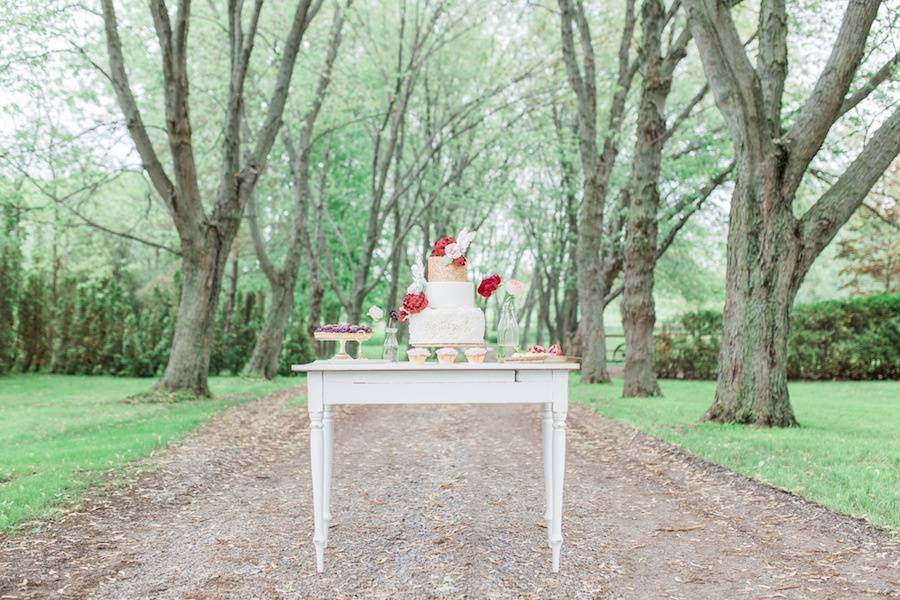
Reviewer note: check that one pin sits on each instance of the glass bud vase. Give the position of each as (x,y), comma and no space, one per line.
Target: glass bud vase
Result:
(391,346)
(507,330)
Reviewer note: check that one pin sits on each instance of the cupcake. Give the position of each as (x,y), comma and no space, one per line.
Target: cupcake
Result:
(475,355)
(446,356)
(417,355)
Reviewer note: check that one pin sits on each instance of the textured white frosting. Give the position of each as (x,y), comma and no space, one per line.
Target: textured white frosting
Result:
(450,294)
(436,326)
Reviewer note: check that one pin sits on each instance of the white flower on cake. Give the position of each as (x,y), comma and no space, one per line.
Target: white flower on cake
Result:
(514,287)
(453,250)
(419,281)
(375,313)
(463,240)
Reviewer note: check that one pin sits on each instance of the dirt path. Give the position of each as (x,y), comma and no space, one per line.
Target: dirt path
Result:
(422,510)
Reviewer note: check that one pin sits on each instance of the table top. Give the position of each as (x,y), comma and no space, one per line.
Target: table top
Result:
(381,365)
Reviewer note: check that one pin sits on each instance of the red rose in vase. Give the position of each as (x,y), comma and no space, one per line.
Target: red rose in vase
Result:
(413,303)
(489,285)
(440,245)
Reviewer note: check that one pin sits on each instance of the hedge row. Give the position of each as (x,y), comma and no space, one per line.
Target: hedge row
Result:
(102,326)
(858,338)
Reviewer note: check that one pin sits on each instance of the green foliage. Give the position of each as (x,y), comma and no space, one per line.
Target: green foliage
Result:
(95,326)
(33,324)
(10,288)
(844,454)
(297,347)
(689,347)
(235,333)
(148,337)
(857,338)
(871,247)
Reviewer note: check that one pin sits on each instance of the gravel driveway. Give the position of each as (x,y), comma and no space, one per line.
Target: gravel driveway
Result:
(440,502)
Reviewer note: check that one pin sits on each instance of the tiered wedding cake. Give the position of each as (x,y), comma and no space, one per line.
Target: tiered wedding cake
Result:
(450,317)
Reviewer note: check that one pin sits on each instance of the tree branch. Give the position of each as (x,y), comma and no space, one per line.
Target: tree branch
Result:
(772,60)
(265,263)
(877,78)
(91,188)
(823,106)
(127,103)
(823,220)
(685,113)
(732,78)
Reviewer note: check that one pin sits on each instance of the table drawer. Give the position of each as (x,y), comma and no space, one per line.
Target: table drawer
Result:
(435,392)
(417,377)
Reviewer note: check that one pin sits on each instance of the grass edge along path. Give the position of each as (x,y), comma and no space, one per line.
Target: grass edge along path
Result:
(845,455)
(60,434)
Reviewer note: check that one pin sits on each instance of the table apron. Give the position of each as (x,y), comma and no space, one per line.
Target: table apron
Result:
(437,392)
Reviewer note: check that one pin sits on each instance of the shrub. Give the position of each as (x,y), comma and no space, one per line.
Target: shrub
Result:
(10,287)
(857,338)
(297,347)
(689,347)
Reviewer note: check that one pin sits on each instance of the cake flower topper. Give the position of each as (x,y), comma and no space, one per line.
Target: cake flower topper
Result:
(454,250)
(418,274)
(414,301)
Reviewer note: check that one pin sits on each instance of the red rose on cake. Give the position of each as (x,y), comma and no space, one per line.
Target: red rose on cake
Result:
(453,250)
(489,285)
(441,244)
(413,303)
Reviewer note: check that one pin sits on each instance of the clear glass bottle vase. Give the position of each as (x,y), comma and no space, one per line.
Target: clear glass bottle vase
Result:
(391,346)
(507,330)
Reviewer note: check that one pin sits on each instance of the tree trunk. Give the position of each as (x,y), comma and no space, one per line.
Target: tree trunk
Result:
(592,335)
(638,309)
(203,265)
(393,299)
(231,298)
(543,310)
(761,280)
(266,352)
(570,321)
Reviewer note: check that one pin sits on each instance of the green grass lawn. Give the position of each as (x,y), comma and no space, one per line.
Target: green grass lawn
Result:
(59,434)
(845,455)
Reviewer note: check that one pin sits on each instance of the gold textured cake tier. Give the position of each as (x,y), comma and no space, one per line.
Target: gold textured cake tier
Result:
(438,271)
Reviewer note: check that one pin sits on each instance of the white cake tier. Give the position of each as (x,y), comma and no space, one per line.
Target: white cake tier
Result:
(437,326)
(450,294)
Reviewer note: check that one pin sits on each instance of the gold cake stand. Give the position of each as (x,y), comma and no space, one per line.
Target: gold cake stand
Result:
(342,339)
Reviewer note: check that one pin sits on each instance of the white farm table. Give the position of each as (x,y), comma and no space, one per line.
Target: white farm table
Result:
(332,382)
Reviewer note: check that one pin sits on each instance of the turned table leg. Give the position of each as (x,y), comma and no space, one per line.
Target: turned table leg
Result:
(559,470)
(328,442)
(317,410)
(547,435)
(317,466)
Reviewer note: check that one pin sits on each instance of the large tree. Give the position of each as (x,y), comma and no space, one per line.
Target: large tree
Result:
(597,257)
(620,233)
(646,212)
(282,280)
(205,234)
(770,250)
